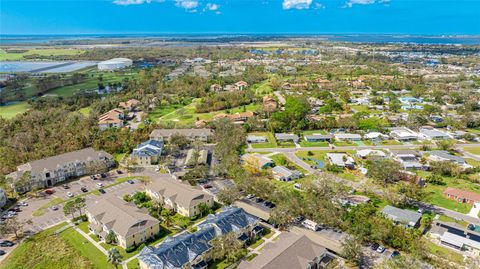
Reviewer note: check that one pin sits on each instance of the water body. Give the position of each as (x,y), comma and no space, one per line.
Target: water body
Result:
(416,39)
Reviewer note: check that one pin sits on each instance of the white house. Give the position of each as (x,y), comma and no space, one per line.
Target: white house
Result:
(284,174)
(340,159)
(347,137)
(364,153)
(403,134)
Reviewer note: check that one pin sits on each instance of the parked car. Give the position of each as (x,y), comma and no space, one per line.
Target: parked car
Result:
(380,249)
(66,187)
(69,194)
(6,243)
(119,172)
(93,177)
(374,246)
(206,186)
(83,189)
(2,252)
(130,181)
(259,200)
(102,191)
(23,204)
(54,208)
(50,191)
(394,254)
(100,184)
(103,175)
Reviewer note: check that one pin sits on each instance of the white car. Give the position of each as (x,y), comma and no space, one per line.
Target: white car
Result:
(380,249)
(100,184)
(69,194)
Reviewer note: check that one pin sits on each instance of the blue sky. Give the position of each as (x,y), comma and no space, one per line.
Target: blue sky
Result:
(240,16)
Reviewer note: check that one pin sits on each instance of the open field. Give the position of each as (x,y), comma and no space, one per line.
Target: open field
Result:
(12,110)
(187,116)
(46,250)
(436,197)
(473,150)
(445,253)
(15,56)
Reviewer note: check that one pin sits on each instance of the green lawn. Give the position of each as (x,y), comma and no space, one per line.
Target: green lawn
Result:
(45,250)
(472,162)
(84,227)
(12,110)
(187,115)
(281,159)
(304,143)
(119,156)
(390,142)
(87,249)
(133,264)
(257,243)
(343,143)
(445,253)
(162,110)
(436,197)
(271,140)
(85,111)
(473,150)
(450,219)
(91,83)
(285,144)
(4,56)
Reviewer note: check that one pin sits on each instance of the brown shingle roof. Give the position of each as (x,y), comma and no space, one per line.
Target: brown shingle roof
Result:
(290,251)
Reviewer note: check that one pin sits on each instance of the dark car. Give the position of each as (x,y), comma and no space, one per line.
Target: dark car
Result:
(374,246)
(394,254)
(66,187)
(119,172)
(259,200)
(2,252)
(93,177)
(103,175)
(50,191)
(102,191)
(130,181)
(6,243)
(84,189)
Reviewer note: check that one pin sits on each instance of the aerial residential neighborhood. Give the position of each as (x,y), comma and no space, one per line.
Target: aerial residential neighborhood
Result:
(292,134)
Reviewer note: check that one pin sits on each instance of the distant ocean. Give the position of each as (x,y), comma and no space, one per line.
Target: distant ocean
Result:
(357,38)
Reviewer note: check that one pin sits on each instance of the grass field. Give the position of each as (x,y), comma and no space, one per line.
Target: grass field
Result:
(445,253)
(12,110)
(304,143)
(133,264)
(187,115)
(91,83)
(390,142)
(4,56)
(281,159)
(87,249)
(473,150)
(45,250)
(436,197)
(85,111)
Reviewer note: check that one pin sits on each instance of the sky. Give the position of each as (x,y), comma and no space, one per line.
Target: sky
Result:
(433,17)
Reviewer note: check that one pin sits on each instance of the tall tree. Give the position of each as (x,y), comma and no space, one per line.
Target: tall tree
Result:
(114,257)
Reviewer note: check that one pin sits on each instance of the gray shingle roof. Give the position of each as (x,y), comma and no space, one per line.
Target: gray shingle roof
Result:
(401,215)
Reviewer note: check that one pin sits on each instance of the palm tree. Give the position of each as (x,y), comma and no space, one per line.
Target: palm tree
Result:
(114,257)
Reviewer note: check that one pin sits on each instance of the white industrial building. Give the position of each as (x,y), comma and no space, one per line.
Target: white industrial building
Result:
(113,64)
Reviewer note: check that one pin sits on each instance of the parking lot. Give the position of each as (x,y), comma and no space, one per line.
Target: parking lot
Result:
(53,215)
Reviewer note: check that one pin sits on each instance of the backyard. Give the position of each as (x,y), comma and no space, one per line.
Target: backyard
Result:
(46,250)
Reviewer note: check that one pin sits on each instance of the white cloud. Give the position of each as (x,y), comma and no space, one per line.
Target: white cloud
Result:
(350,3)
(212,7)
(296,4)
(134,2)
(187,4)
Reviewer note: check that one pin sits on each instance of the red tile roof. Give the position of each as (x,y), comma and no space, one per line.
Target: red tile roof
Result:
(462,194)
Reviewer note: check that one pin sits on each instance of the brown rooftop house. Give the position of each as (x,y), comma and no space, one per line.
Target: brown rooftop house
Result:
(131,225)
(216,88)
(182,198)
(290,251)
(462,196)
(241,85)
(111,119)
(130,105)
(47,172)
(269,104)
(203,135)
